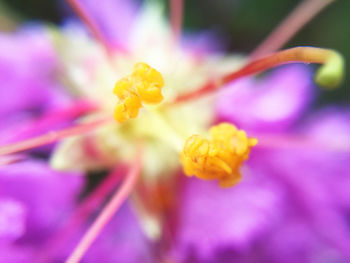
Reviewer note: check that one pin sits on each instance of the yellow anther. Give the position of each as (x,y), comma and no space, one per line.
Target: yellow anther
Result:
(124,88)
(219,158)
(142,86)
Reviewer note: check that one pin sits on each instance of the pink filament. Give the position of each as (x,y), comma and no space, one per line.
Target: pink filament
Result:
(84,15)
(292,55)
(300,16)
(83,212)
(5,160)
(51,137)
(60,116)
(176,17)
(108,211)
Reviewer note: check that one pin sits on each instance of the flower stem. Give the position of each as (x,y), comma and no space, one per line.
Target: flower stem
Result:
(299,17)
(108,211)
(51,137)
(330,74)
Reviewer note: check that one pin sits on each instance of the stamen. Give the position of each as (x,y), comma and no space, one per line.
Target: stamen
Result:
(144,85)
(85,16)
(51,137)
(60,116)
(219,158)
(108,211)
(329,75)
(176,17)
(300,16)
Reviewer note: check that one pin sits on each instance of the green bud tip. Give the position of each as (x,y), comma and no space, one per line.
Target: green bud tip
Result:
(331,74)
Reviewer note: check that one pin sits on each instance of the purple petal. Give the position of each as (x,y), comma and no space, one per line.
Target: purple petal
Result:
(296,242)
(309,198)
(115,17)
(27,73)
(213,218)
(16,254)
(331,126)
(122,240)
(47,195)
(270,104)
(12,219)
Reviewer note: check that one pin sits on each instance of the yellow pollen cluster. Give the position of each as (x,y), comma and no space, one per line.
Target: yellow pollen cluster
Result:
(142,86)
(219,158)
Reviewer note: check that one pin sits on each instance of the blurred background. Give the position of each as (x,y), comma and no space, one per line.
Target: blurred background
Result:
(242,24)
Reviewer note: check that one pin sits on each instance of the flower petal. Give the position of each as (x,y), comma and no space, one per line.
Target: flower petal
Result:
(213,218)
(122,240)
(12,219)
(115,17)
(270,104)
(46,195)
(27,73)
